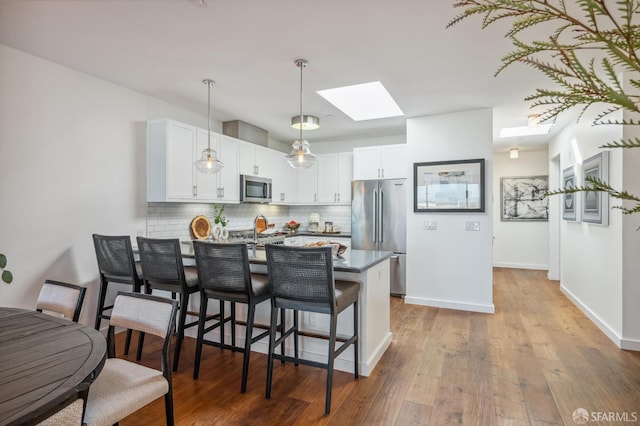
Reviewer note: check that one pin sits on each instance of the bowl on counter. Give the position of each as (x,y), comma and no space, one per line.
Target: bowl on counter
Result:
(292,227)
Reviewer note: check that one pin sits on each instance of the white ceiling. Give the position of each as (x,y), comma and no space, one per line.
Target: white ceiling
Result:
(165,48)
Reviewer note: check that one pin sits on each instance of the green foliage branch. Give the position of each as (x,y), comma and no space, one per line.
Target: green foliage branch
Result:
(591,43)
(7,276)
(218,218)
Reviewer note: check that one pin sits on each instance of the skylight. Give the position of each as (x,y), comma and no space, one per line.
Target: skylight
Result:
(367,101)
(514,132)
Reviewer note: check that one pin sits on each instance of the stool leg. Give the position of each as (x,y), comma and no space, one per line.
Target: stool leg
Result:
(222,323)
(204,300)
(247,345)
(233,326)
(356,344)
(184,299)
(283,327)
(101,297)
(272,343)
(332,348)
(295,336)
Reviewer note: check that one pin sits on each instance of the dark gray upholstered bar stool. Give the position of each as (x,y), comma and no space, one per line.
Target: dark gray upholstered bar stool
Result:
(116,265)
(162,269)
(224,274)
(62,298)
(301,279)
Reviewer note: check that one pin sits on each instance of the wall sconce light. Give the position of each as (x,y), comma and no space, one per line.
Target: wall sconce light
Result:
(513,153)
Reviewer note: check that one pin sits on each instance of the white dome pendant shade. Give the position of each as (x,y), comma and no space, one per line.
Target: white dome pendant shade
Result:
(208,162)
(300,156)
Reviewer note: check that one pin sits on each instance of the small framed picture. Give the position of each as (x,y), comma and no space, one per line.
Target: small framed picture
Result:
(523,199)
(570,201)
(595,204)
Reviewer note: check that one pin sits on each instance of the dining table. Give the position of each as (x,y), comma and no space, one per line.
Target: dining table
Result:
(46,362)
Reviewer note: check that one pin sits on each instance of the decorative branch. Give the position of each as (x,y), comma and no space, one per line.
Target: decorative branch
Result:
(591,45)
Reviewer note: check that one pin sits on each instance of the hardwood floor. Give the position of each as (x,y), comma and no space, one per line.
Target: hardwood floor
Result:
(533,362)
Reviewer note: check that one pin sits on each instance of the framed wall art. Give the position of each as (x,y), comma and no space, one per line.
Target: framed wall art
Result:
(595,204)
(523,199)
(449,186)
(570,207)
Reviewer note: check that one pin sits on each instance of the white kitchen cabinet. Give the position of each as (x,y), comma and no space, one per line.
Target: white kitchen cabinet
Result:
(170,155)
(380,162)
(254,159)
(224,185)
(335,172)
(284,179)
(308,185)
(172,150)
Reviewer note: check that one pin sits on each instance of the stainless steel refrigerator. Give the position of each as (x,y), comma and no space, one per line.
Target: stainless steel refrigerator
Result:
(378,222)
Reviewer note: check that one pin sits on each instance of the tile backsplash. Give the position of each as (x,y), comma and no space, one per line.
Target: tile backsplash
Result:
(172,220)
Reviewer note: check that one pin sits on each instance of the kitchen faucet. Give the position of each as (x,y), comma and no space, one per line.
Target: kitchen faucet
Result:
(255,227)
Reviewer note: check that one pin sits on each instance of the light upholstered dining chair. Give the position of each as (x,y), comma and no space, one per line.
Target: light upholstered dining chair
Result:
(62,298)
(301,279)
(123,387)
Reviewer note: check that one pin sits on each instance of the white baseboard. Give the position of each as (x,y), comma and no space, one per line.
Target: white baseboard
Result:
(520,266)
(622,343)
(448,304)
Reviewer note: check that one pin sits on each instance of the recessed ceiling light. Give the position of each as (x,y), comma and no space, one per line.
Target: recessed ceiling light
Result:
(514,132)
(367,101)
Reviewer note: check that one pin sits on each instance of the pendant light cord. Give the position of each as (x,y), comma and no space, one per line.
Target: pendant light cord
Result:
(301,117)
(209,116)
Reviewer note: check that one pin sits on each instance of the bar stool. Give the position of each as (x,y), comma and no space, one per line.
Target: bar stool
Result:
(224,274)
(162,269)
(116,264)
(301,279)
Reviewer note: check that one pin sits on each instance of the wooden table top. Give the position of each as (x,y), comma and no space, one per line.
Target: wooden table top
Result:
(44,360)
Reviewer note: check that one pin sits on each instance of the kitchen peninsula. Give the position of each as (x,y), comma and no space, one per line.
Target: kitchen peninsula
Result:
(372,270)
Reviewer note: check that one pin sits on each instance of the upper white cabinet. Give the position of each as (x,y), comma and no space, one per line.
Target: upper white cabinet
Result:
(224,185)
(254,159)
(380,162)
(284,179)
(172,149)
(170,152)
(308,185)
(335,173)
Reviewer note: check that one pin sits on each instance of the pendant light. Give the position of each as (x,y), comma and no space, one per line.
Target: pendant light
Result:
(300,156)
(208,162)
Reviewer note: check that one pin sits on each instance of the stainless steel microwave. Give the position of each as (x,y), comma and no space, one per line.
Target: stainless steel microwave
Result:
(255,189)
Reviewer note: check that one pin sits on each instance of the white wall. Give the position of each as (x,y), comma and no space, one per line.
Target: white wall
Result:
(451,267)
(72,162)
(523,245)
(591,255)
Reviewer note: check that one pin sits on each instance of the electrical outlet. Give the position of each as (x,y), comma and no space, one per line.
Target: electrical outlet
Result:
(430,225)
(473,225)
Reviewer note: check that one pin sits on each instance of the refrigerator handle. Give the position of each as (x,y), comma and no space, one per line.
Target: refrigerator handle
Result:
(381,216)
(375,215)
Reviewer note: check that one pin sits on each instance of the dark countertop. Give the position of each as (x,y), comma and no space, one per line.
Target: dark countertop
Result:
(354,261)
(319,234)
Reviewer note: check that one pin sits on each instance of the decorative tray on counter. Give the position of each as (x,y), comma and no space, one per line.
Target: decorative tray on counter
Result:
(200,227)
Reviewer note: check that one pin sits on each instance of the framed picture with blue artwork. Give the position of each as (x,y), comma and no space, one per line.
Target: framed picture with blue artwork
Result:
(523,198)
